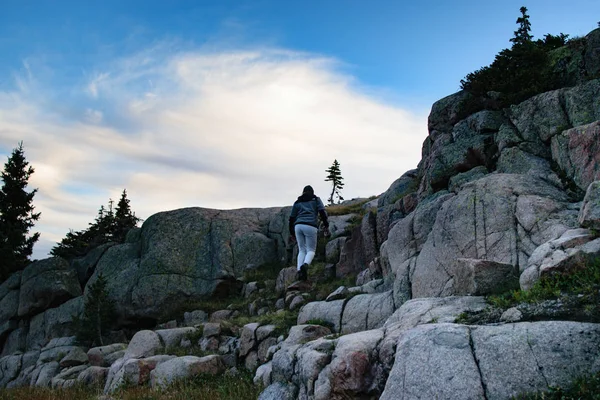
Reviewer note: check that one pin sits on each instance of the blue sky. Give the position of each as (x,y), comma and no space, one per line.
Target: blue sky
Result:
(229,104)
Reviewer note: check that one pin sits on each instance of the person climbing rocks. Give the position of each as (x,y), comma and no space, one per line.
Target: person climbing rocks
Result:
(304,226)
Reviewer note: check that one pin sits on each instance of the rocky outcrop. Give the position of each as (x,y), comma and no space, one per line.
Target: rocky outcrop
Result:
(46,284)
(492,362)
(189,254)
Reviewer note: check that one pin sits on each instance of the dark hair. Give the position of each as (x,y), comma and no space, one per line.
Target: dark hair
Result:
(308,190)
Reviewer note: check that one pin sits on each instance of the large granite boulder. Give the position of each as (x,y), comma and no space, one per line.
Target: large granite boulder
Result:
(493,362)
(53,323)
(187,254)
(577,153)
(500,218)
(46,284)
(589,215)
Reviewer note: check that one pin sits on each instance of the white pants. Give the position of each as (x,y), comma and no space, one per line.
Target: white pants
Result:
(306,236)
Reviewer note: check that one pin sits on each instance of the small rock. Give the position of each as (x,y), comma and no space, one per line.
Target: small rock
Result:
(211,329)
(280,304)
(194,318)
(221,315)
(339,293)
(297,302)
(511,315)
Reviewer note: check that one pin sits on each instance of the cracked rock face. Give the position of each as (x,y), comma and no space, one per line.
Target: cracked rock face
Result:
(492,362)
(500,218)
(186,254)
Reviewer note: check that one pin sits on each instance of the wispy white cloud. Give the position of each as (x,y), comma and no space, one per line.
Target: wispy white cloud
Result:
(225,129)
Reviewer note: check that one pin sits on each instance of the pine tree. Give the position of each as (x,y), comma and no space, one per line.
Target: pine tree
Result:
(16,214)
(522,35)
(125,219)
(110,225)
(98,314)
(334,176)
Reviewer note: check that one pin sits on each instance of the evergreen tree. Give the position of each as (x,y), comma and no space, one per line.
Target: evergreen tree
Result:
(522,35)
(16,214)
(110,225)
(334,176)
(98,315)
(125,219)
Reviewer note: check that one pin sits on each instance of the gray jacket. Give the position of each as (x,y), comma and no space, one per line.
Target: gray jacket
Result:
(306,211)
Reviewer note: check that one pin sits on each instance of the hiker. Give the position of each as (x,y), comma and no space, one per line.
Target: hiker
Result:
(304,225)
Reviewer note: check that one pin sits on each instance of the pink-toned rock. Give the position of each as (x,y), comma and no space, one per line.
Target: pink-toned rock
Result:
(577,152)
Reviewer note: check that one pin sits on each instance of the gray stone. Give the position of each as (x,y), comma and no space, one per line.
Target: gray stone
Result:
(263,348)
(297,302)
(367,311)
(57,353)
(404,243)
(9,305)
(280,304)
(265,331)
(338,294)
(251,361)
(589,216)
(286,277)
(186,254)
(46,284)
(528,357)
(133,372)
(333,249)
(458,180)
(86,265)
(248,338)
(172,337)
(250,288)
(93,376)
(520,212)
(99,356)
(211,329)
(327,311)
(184,368)
(300,334)
(493,362)
(434,361)
(511,315)
(263,375)
(9,368)
(143,344)
(338,224)
(353,371)
(67,377)
(16,340)
(194,317)
(46,373)
(278,391)
(577,153)
(571,251)
(483,277)
(74,358)
(220,316)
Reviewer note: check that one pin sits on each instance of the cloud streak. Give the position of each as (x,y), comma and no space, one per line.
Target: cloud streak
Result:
(227,129)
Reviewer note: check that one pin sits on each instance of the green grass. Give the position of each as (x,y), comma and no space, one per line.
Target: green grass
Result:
(584,281)
(341,209)
(283,320)
(221,387)
(587,387)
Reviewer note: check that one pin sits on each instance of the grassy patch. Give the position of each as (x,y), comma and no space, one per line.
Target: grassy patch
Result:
(283,320)
(585,282)
(221,387)
(321,322)
(263,273)
(587,387)
(341,209)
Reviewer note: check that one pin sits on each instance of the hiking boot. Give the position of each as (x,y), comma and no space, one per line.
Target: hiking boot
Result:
(303,273)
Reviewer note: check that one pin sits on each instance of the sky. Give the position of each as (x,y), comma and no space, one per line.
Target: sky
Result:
(230,104)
